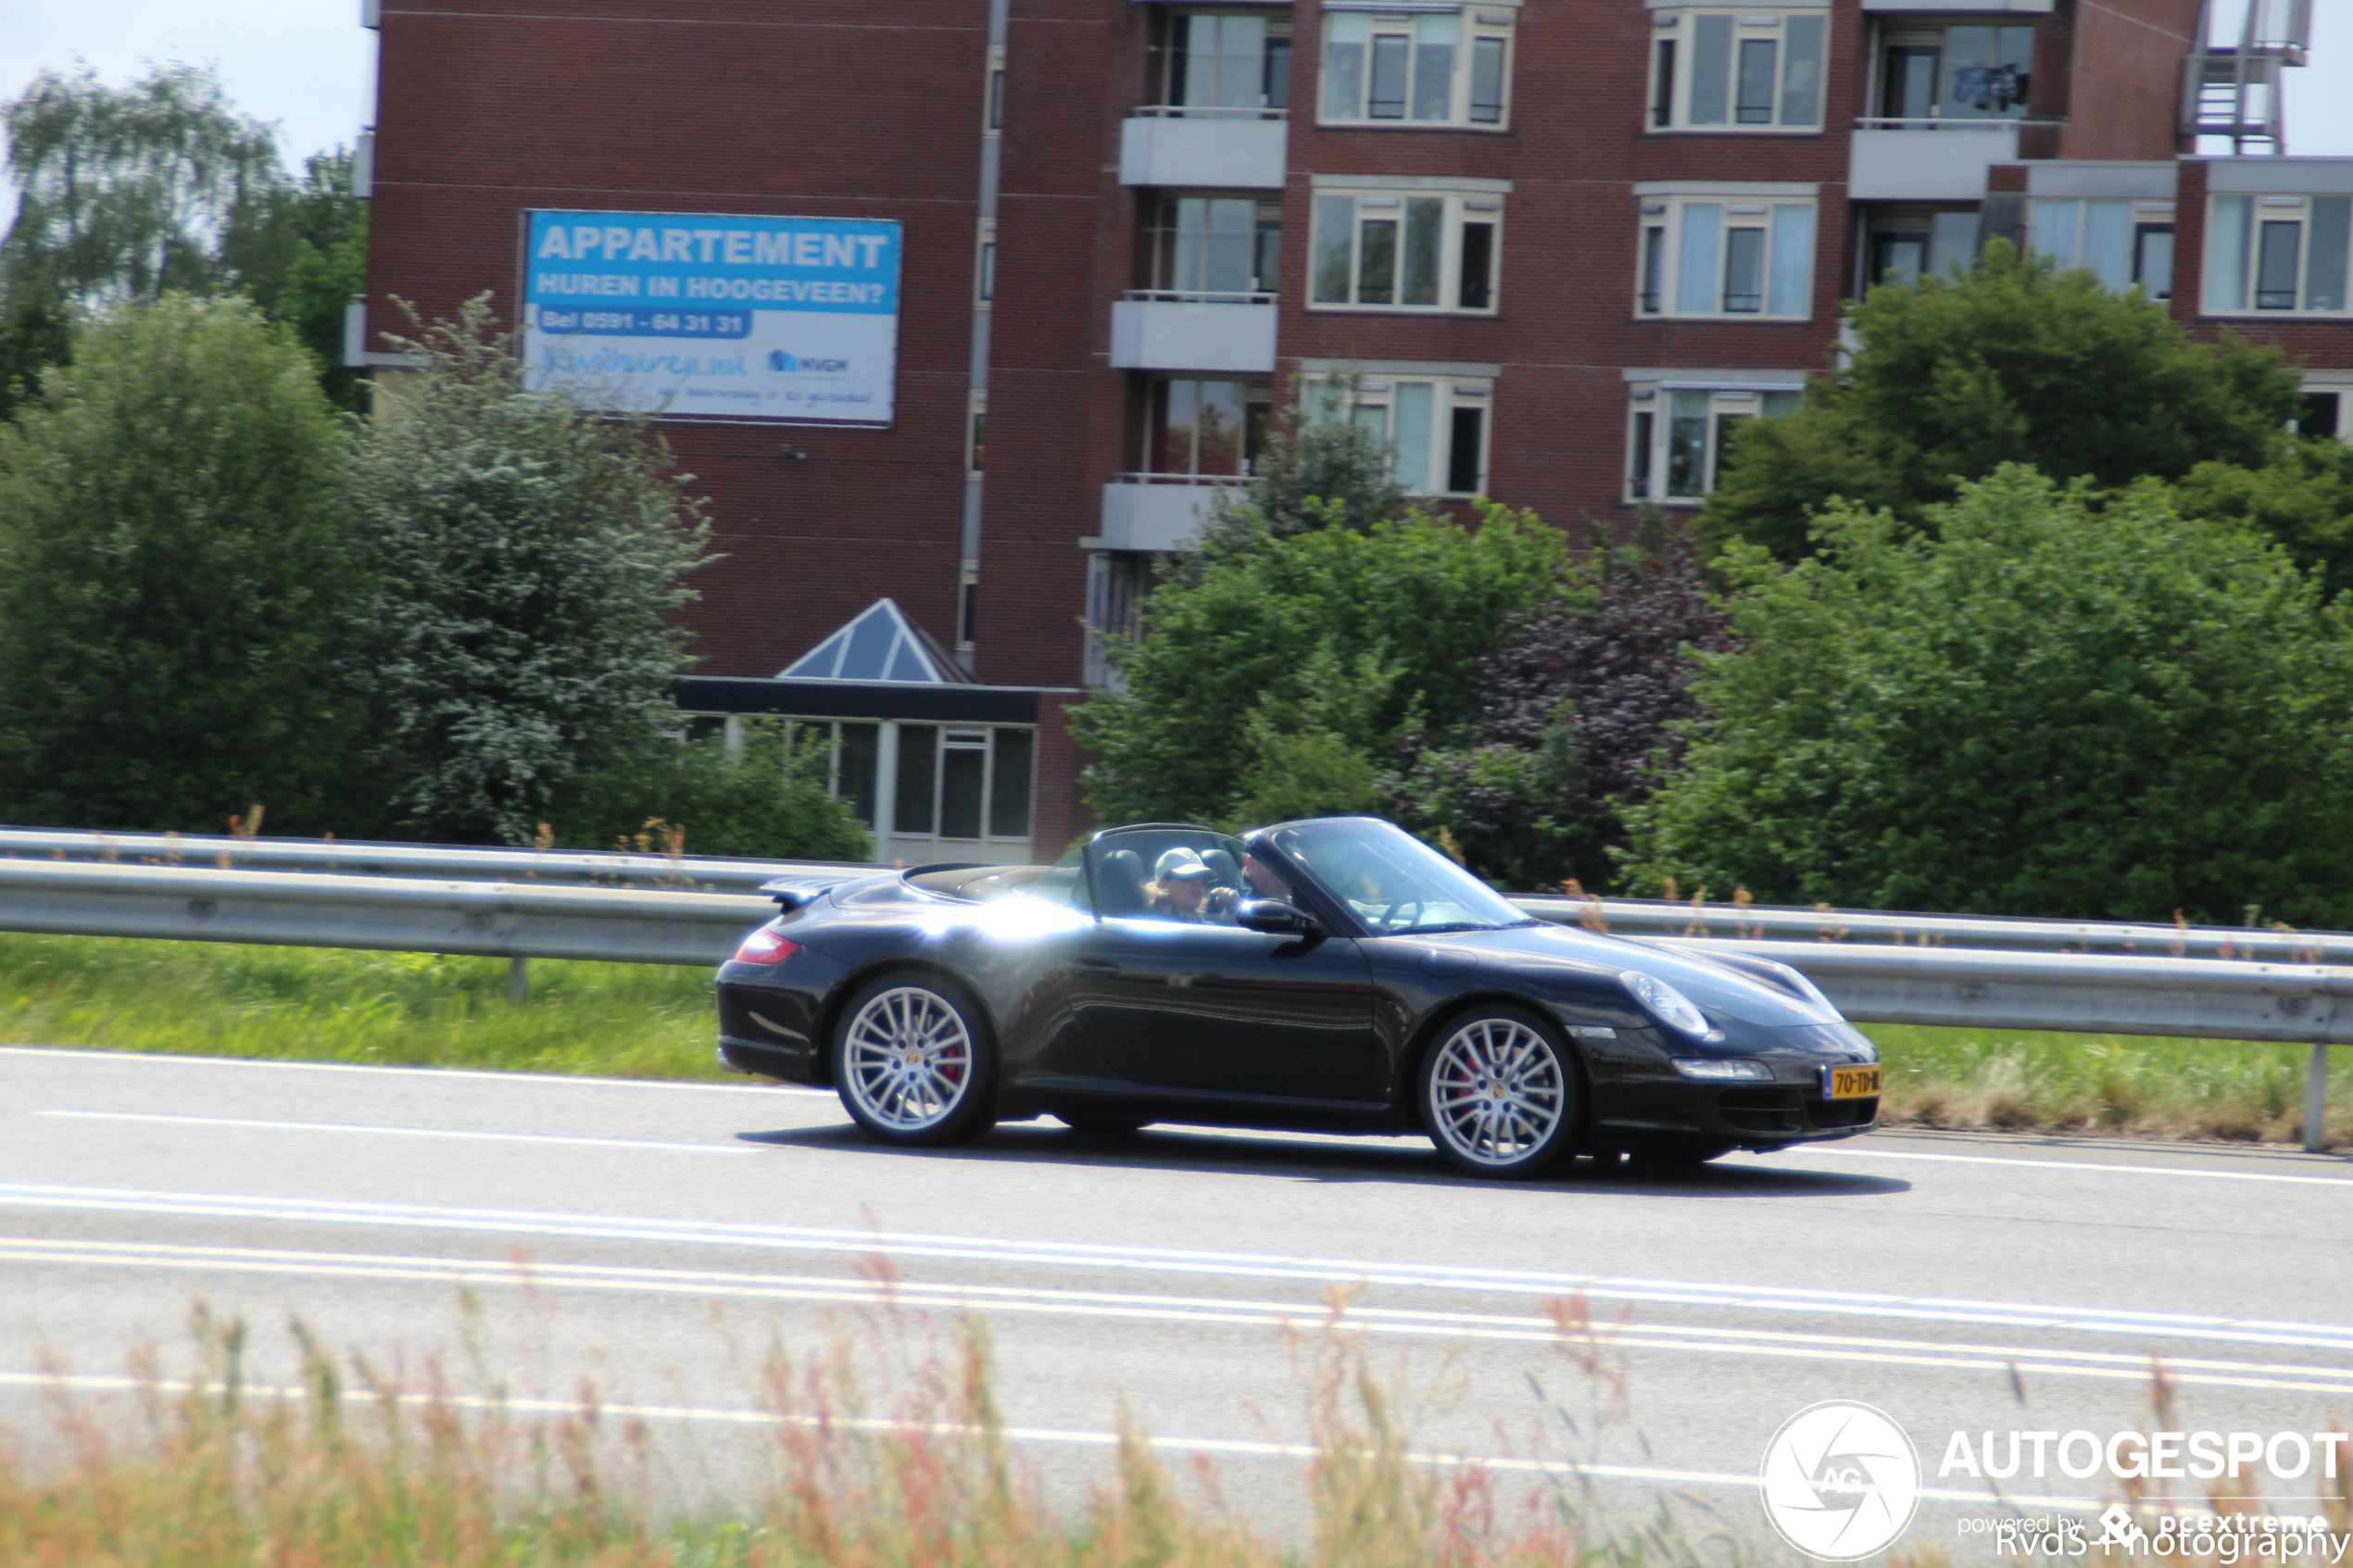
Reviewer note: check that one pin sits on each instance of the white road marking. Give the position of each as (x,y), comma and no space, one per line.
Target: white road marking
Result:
(70,1053)
(1249,1265)
(395,1132)
(1233,1446)
(704,1284)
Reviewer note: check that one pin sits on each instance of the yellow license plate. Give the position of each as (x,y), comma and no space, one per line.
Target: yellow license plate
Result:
(1850,1083)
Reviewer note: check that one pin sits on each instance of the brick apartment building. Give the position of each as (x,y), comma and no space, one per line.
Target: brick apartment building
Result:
(1562,243)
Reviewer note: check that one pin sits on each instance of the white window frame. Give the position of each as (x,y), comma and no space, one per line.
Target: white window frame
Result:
(1682,27)
(1666,244)
(827,732)
(1472,25)
(1650,435)
(2231,282)
(1458,210)
(2071,229)
(1380,397)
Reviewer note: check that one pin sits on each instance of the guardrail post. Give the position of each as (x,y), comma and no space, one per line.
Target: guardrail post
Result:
(518,979)
(2316,1103)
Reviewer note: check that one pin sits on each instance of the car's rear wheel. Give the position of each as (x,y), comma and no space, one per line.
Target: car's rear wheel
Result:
(1501,1094)
(913,1063)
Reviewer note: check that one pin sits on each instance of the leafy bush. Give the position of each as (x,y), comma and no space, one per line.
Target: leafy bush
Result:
(1277,674)
(2015,362)
(524,557)
(2049,708)
(1575,722)
(766,801)
(174,573)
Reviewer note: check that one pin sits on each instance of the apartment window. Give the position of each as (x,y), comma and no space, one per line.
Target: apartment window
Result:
(1215,245)
(1725,256)
(1206,428)
(1444,67)
(1725,70)
(993,111)
(1219,62)
(1406,251)
(1436,428)
(1903,244)
(2277,254)
(984,265)
(977,438)
(1677,436)
(2123,244)
(1959,72)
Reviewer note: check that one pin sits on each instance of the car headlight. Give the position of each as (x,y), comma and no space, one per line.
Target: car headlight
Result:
(1667,1004)
(1722,1069)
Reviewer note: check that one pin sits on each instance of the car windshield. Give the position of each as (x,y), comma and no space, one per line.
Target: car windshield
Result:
(1392,881)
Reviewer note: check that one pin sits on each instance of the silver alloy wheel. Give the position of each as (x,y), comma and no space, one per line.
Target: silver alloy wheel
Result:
(1496,1092)
(907,1059)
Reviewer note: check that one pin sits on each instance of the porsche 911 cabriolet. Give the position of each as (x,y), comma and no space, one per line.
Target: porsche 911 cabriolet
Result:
(1333,974)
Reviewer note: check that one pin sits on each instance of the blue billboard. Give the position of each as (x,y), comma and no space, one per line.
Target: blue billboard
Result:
(713,316)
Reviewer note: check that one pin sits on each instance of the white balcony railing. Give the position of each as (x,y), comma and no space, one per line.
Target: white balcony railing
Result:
(1183,330)
(1928,160)
(1203,149)
(1159,511)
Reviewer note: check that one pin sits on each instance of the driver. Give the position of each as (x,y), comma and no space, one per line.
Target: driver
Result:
(1180,890)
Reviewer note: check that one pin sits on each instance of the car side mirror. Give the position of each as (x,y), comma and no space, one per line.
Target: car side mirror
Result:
(1276,918)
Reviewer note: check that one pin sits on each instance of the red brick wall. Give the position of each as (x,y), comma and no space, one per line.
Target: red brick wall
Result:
(2125,81)
(487,107)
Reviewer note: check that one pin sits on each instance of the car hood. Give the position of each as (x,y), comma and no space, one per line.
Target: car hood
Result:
(1718,989)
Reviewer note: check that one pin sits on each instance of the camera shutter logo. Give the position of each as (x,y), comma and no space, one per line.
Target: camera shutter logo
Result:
(1839,1481)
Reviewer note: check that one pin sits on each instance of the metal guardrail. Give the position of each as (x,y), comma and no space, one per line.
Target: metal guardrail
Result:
(1643,917)
(2214,998)
(707,874)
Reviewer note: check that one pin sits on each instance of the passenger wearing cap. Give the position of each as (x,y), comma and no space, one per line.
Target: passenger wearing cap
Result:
(1180,889)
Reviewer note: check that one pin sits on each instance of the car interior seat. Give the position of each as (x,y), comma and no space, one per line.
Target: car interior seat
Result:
(1223,872)
(1119,882)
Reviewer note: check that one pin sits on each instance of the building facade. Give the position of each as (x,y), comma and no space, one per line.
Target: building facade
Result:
(1557,246)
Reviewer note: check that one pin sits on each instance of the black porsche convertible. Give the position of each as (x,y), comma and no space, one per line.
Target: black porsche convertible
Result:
(1331,974)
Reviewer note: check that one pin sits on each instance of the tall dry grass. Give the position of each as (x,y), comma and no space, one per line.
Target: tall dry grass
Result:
(868,1461)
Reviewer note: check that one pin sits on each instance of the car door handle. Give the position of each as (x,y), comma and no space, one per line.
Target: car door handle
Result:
(1095,966)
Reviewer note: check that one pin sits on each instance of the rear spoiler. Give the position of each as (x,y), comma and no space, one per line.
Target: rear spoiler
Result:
(793,893)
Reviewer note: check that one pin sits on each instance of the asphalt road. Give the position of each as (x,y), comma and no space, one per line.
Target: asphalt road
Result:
(656,1235)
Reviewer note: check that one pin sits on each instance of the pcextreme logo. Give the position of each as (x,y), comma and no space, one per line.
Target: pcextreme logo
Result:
(1839,1481)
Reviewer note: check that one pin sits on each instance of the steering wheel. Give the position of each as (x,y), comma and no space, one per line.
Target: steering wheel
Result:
(1389,922)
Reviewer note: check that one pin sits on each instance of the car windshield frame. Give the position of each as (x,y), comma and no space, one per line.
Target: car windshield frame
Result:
(1326,850)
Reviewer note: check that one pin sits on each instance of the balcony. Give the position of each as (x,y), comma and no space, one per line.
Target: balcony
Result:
(1927,160)
(1204,148)
(1206,334)
(1157,512)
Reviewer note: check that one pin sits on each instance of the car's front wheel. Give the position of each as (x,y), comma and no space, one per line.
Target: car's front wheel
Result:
(913,1063)
(1501,1095)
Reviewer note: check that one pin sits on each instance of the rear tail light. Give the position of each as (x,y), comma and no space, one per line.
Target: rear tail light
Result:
(765,946)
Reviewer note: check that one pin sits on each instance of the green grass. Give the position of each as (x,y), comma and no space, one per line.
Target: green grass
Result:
(654,1021)
(327,1004)
(2241,1091)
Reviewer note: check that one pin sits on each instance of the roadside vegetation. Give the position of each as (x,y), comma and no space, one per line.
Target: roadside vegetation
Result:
(875,1454)
(655,1020)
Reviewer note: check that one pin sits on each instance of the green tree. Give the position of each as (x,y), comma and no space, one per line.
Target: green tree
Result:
(303,254)
(766,799)
(525,556)
(2303,498)
(127,191)
(1321,468)
(36,330)
(1287,659)
(2041,708)
(2015,362)
(172,576)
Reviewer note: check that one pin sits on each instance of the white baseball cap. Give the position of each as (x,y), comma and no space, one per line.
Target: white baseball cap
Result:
(1178,863)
